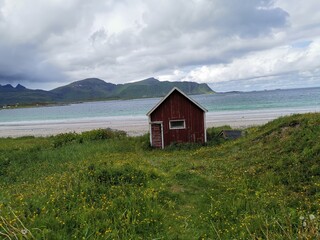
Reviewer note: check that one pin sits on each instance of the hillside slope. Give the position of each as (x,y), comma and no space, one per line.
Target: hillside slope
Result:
(10,95)
(152,87)
(87,89)
(104,185)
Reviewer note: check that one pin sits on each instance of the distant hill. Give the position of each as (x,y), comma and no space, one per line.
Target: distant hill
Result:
(152,87)
(84,90)
(21,95)
(91,89)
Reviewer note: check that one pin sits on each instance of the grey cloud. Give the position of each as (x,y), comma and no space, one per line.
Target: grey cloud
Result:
(189,33)
(248,18)
(172,31)
(27,30)
(251,19)
(73,39)
(24,63)
(99,37)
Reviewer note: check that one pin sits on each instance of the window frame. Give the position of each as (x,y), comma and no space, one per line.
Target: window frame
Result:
(177,127)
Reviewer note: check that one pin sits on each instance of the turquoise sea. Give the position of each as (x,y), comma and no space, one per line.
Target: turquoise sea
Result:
(307,98)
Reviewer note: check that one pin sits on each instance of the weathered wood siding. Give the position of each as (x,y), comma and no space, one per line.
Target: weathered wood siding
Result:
(178,107)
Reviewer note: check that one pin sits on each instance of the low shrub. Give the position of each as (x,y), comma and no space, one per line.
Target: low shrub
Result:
(100,134)
(97,134)
(66,138)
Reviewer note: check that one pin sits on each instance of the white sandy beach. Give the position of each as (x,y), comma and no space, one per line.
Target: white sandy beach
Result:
(138,125)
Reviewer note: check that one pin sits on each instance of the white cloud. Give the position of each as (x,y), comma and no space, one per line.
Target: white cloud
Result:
(261,64)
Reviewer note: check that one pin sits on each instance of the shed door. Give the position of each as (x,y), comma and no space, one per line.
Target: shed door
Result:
(156,129)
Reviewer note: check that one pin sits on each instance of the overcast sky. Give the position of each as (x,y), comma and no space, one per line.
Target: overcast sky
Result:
(229,44)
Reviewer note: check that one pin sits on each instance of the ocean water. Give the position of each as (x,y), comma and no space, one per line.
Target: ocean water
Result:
(308,98)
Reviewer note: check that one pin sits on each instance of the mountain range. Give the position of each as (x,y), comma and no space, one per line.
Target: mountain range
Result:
(94,89)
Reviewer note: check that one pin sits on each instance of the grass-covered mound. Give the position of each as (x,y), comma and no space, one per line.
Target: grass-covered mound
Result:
(105,185)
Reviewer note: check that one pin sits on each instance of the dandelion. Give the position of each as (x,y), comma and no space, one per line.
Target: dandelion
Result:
(24,231)
(304,224)
(301,218)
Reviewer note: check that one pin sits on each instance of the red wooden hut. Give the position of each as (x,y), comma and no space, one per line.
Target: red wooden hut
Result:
(177,119)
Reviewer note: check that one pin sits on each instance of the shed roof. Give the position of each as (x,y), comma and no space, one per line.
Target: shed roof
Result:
(185,95)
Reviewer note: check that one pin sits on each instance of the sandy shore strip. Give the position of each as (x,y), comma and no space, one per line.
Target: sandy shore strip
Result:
(138,125)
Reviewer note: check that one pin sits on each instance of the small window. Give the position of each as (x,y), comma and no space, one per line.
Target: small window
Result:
(177,124)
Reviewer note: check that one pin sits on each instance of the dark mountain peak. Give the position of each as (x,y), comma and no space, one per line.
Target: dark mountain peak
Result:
(91,80)
(88,81)
(20,87)
(148,81)
(7,86)
(86,89)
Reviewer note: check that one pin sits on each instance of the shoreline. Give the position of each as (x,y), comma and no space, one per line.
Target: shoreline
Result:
(138,125)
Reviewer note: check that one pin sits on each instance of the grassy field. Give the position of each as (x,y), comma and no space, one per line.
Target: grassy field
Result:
(105,185)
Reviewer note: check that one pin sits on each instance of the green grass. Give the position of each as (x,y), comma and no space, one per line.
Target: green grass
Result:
(105,185)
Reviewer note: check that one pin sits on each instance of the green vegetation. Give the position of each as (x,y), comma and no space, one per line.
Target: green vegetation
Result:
(105,185)
(94,89)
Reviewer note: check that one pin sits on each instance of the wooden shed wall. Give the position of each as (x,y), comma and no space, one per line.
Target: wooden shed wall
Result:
(178,107)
